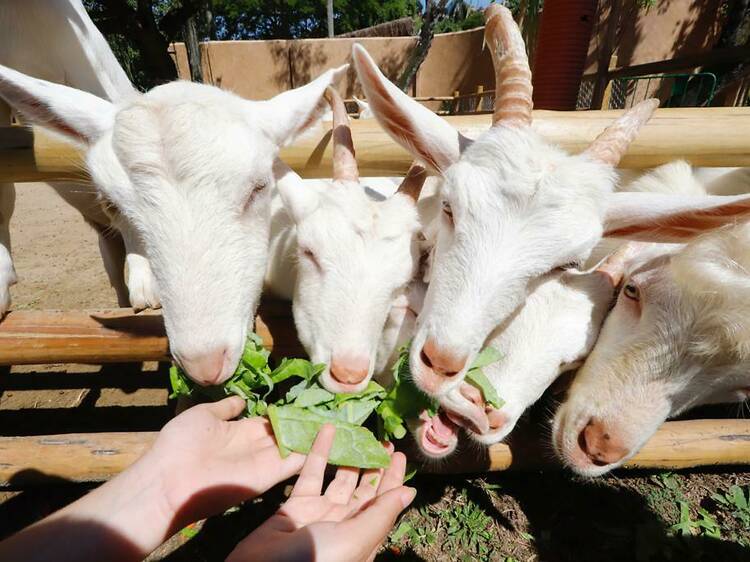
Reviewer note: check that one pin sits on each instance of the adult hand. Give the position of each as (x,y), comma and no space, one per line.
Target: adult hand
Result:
(347,522)
(208,463)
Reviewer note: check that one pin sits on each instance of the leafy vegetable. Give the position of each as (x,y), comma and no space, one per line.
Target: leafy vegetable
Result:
(295,429)
(299,411)
(476,377)
(404,400)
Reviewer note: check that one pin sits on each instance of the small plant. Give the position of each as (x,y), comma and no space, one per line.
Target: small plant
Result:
(469,527)
(706,525)
(738,501)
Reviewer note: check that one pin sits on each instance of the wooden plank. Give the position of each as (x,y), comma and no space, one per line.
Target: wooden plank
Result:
(97,457)
(75,457)
(729,55)
(716,136)
(34,337)
(676,445)
(30,337)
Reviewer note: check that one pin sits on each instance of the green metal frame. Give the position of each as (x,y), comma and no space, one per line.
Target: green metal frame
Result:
(701,86)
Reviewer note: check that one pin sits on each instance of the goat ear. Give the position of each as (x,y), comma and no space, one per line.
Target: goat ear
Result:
(656,217)
(299,200)
(429,138)
(288,114)
(77,115)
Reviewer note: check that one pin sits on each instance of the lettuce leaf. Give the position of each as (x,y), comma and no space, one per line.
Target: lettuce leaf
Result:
(295,430)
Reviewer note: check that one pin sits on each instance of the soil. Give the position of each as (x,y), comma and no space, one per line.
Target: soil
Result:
(550,516)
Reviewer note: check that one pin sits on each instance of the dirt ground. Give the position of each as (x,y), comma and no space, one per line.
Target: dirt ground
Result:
(552,516)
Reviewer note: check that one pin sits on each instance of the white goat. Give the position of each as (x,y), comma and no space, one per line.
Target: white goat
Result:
(555,329)
(515,206)
(187,165)
(678,336)
(71,50)
(347,261)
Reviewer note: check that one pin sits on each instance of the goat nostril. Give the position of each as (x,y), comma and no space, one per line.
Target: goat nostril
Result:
(425,358)
(349,370)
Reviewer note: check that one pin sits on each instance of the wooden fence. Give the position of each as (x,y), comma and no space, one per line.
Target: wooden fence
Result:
(706,137)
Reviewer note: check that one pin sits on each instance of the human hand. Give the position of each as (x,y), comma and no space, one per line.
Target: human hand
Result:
(208,463)
(348,522)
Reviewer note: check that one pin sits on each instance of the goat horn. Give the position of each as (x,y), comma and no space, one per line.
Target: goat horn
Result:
(513,101)
(344,161)
(612,144)
(413,182)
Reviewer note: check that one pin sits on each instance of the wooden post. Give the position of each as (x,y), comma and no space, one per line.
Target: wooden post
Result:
(608,88)
(456,101)
(712,136)
(478,105)
(94,457)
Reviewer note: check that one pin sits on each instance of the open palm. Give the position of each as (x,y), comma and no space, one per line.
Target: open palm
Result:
(347,522)
(210,462)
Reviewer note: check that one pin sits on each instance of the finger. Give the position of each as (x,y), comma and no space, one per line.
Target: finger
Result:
(372,525)
(227,409)
(394,474)
(341,488)
(310,481)
(367,489)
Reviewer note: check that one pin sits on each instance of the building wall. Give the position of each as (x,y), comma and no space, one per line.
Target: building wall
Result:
(456,61)
(261,69)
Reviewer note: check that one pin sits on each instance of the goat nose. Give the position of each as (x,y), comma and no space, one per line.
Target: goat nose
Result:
(205,368)
(441,361)
(349,369)
(600,444)
(496,418)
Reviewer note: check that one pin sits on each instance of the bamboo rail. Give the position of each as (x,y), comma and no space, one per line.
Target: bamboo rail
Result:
(715,136)
(94,457)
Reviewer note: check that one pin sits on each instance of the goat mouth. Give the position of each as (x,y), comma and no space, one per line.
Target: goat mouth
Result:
(438,435)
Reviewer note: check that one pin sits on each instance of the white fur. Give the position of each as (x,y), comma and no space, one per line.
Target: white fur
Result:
(186,165)
(70,51)
(346,257)
(685,342)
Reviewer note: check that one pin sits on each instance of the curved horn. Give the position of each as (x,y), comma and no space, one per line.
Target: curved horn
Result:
(413,182)
(344,162)
(612,144)
(513,102)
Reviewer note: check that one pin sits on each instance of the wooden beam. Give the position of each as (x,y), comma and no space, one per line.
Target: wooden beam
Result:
(99,456)
(688,62)
(716,136)
(34,337)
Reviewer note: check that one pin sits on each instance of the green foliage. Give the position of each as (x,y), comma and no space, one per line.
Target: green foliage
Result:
(738,501)
(277,19)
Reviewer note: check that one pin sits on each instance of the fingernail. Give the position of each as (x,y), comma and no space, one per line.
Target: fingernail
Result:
(408,495)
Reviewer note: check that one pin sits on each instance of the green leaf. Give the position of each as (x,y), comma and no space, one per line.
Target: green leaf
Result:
(296,368)
(313,397)
(181,385)
(403,528)
(403,400)
(486,357)
(477,378)
(295,429)
(356,411)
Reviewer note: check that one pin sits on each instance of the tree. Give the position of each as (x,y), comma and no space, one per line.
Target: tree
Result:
(140,31)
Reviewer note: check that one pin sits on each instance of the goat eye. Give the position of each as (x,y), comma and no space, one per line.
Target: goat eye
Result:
(631,291)
(258,188)
(308,254)
(447,211)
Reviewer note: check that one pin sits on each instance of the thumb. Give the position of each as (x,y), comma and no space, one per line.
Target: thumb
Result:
(227,409)
(375,521)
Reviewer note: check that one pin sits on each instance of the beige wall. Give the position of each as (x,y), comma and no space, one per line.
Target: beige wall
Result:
(260,69)
(667,30)
(456,61)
